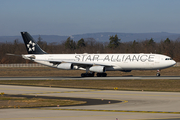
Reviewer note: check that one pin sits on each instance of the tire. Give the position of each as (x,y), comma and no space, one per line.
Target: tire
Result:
(98,74)
(82,75)
(104,74)
(158,74)
(101,74)
(87,75)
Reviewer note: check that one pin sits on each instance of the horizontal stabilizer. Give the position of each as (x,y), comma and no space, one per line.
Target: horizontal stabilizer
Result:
(13,54)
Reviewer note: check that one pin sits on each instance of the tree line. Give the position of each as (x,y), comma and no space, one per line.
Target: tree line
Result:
(89,45)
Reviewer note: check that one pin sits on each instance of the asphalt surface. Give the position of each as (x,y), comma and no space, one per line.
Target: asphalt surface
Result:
(122,105)
(92,78)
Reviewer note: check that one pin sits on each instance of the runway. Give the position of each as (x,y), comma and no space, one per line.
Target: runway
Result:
(92,78)
(134,104)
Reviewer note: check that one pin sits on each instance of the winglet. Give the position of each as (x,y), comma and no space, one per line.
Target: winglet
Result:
(31,46)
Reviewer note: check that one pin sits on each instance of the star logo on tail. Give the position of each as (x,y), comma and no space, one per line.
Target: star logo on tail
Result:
(31,46)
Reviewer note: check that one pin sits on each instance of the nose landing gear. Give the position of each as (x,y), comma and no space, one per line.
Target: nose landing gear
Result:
(158,73)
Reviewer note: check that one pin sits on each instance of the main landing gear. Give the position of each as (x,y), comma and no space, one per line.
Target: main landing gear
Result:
(158,73)
(87,74)
(101,74)
(92,74)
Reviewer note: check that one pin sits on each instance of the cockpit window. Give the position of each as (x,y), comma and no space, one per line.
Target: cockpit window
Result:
(168,59)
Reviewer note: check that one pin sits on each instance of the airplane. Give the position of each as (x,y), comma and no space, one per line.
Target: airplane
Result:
(99,63)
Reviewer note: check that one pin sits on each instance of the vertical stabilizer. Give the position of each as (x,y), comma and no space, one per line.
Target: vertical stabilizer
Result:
(31,46)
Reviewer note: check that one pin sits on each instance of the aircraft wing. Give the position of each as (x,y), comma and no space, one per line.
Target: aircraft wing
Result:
(78,63)
(88,63)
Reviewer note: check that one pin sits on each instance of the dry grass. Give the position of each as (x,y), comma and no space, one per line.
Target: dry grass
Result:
(13,102)
(146,85)
(47,71)
(149,85)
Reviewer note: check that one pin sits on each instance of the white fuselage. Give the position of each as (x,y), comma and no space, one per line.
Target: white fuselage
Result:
(110,61)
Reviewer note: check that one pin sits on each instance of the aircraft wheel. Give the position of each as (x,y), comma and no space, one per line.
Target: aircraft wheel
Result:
(104,74)
(87,74)
(98,74)
(158,74)
(83,75)
(91,74)
(101,74)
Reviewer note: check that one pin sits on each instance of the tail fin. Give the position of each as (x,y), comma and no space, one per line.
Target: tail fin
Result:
(31,46)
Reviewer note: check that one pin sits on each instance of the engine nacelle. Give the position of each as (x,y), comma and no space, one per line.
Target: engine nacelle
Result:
(65,66)
(99,69)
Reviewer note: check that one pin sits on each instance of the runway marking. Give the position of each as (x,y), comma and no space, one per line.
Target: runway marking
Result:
(110,110)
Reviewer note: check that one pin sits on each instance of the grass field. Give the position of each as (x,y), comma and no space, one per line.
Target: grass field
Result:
(19,102)
(47,71)
(145,85)
(138,85)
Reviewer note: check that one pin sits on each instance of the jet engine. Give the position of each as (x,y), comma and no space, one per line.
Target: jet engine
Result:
(65,66)
(99,69)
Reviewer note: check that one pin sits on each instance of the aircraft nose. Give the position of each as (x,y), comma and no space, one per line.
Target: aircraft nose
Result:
(173,62)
